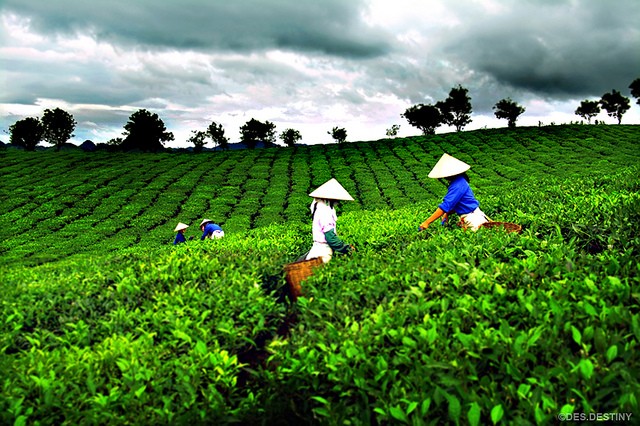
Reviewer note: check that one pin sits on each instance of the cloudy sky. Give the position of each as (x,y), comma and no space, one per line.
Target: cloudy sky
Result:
(310,65)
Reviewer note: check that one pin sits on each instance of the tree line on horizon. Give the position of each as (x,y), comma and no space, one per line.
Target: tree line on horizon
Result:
(147,132)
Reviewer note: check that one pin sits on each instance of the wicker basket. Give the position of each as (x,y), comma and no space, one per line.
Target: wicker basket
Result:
(509,227)
(297,272)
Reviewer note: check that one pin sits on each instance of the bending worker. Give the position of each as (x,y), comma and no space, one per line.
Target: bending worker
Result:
(210,230)
(459,198)
(180,227)
(325,239)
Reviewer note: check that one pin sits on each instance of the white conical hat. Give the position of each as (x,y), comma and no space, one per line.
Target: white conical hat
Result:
(205,221)
(331,190)
(180,226)
(448,166)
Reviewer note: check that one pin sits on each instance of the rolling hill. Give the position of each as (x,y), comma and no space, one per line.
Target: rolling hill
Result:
(104,321)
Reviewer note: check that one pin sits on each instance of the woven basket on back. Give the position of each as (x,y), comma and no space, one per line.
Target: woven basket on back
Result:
(297,272)
(509,227)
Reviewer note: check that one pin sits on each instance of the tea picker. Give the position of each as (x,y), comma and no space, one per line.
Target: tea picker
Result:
(325,238)
(459,198)
(210,230)
(180,228)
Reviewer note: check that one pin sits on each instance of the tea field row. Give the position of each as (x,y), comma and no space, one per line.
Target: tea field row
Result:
(56,204)
(441,326)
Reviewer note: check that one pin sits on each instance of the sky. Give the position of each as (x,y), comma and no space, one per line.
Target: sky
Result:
(310,65)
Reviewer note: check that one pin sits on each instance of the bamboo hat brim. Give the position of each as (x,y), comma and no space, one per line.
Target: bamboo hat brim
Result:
(448,166)
(180,226)
(205,221)
(331,190)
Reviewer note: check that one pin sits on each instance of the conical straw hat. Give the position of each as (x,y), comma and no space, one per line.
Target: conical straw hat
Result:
(331,190)
(205,221)
(180,226)
(448,166)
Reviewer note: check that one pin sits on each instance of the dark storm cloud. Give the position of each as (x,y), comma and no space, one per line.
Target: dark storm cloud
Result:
(562,49)
(355,63)
(333,27)
(95,83)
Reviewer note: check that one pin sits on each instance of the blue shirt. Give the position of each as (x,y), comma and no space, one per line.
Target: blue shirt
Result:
(209,228)
(179,239)
(459,198)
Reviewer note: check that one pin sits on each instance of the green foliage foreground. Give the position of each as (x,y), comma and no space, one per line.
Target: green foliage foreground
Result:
(417,328)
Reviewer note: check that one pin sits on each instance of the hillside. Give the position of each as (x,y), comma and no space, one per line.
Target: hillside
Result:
(57,204)
(104,321)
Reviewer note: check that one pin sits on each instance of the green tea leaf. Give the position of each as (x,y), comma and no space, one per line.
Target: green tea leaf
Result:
(201,347)
(612,353)
(398,414)
(586,368)
(454,408)
(182,335)
(496,413)
(567,409)
(424,407)
(320,400)
(635,325)
(523,390)
(539,415)
(575,333)
(537,333)
(473,415)
(322,412)
(140,391)
(407,341)
(380,411)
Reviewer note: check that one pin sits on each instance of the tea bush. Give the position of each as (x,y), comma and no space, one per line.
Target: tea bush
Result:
(457,326)
(105,322)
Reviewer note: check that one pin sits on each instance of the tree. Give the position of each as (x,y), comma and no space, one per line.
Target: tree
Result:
(290,137)
(508,109)
(145,131)
(425,117)
(588,110)
(254,131)
(615,104)
(216,133)
(58,126)
(27,133)
(393,131)
(339,134)
(456,109)
(198,139)
(635,89)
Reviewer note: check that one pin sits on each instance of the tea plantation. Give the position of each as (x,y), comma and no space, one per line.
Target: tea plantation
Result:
(104,321)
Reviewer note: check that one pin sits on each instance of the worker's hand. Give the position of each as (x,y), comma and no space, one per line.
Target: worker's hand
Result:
(353,248)
(422,227)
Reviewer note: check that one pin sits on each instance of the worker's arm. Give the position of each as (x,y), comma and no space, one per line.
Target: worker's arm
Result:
(439,212)
(336,243)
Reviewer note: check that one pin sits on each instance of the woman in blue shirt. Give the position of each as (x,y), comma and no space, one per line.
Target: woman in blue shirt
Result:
(210,230)
(180,227)
(459,198)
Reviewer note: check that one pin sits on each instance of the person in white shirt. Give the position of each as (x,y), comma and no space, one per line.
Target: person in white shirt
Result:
(325,239)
